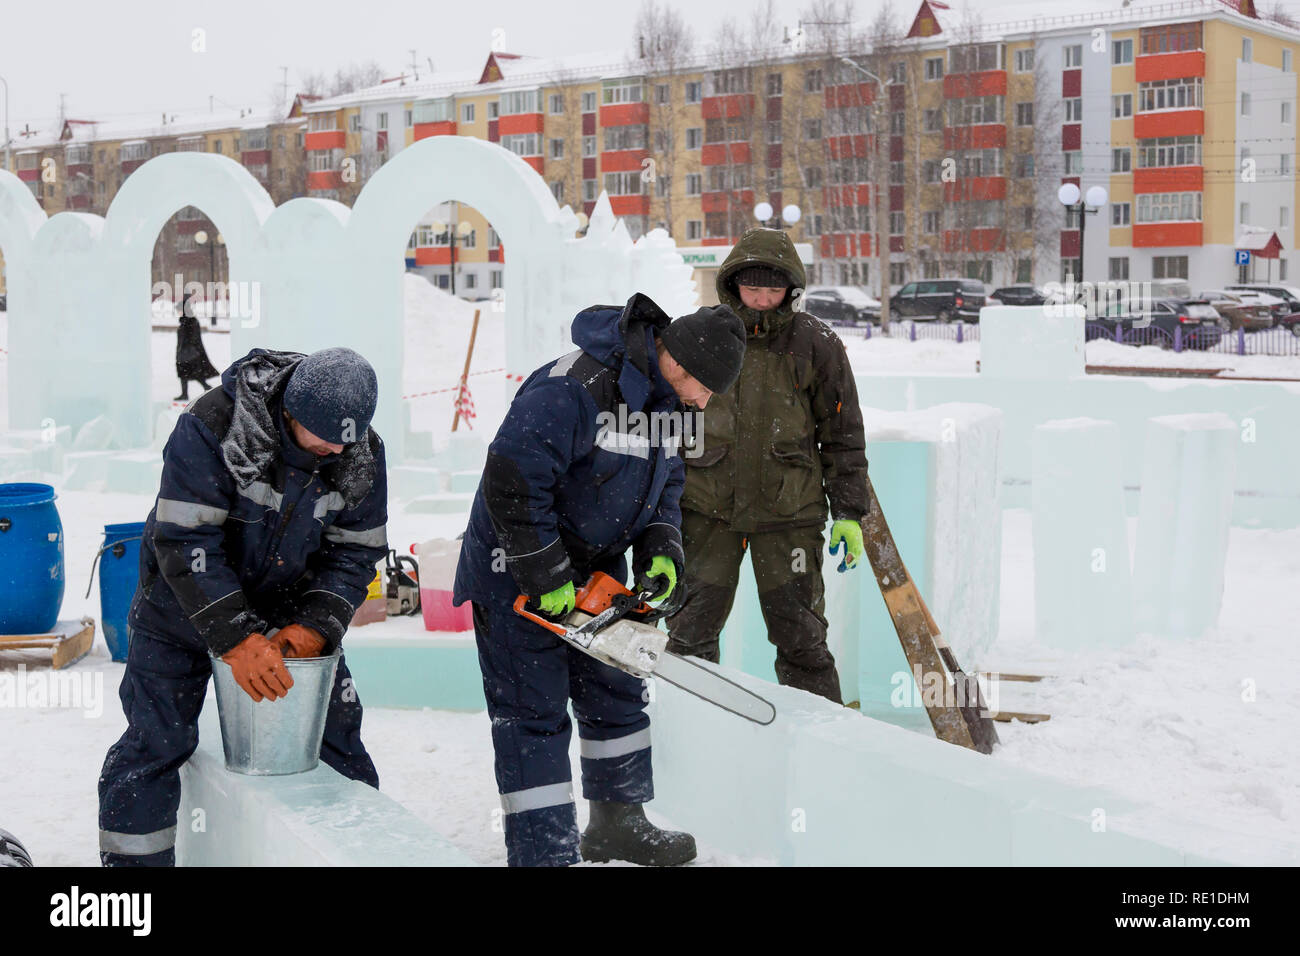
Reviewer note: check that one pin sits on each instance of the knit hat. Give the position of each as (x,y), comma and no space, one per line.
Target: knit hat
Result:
(710,344)
(332,393)
(764,277)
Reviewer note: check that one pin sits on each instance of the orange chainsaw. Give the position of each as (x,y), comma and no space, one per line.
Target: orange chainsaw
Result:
(617,627)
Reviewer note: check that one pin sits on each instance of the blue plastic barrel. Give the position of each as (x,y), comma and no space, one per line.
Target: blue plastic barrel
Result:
(31,559)
(119,574)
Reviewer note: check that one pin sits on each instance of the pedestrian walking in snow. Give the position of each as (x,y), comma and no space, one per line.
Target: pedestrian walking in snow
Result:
(192,362)
(271,514)
(567,488)
(780,445)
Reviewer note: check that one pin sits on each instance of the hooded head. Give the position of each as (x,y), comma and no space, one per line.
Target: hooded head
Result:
(762,256)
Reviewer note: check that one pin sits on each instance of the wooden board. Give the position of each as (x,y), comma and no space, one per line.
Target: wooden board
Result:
(997,675)
(69,643)
(912,621)
(1006,716)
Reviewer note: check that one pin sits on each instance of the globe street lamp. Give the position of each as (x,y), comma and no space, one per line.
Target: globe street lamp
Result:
(201,237)
(1071,197)
(790,214)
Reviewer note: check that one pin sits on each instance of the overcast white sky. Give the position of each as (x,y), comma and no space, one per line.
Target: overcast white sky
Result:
(118,57)
(134,56)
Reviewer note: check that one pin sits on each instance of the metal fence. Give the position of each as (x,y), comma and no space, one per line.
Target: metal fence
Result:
(915,331)
(1277,341)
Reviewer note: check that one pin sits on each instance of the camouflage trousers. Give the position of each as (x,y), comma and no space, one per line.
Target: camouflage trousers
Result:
(788,570)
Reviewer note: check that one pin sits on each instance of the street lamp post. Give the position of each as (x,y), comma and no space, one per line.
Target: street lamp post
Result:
(201,237)
(461,230)
(9,165)
(1071,197)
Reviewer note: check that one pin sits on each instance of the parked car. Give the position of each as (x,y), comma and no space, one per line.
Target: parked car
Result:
(1290,322)
(942,299)
(1287,293)
(1170,289)
(831,309)
(1202,325)
(866,305)
(1241,309)
(1016,295)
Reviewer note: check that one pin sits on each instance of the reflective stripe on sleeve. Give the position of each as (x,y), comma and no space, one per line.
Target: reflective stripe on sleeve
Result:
(370,538)
(189,514)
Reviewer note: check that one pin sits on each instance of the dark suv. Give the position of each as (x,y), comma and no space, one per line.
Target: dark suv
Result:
(1201,326)
(942,299)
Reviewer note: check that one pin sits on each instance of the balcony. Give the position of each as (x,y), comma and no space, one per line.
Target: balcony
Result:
(1167,234)
(1169,66)
(984,83)
(849,94)
(519,123)
(727,107)
(622,160)
(1190,122)
(981,136)
(851,195)
(1168,179)
(325,139)
(324,179)
(723,154)
(975,188)
(621,114)
(630,205)
(440,128)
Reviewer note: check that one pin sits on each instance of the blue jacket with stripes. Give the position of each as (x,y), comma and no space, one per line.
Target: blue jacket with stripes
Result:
(249,530)
(577,473)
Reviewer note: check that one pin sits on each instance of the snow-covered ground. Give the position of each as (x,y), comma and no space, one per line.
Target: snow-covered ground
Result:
(1168,723)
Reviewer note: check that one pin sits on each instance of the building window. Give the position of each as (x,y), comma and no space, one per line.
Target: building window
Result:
(896,174)
(1024,114)
(898,123)
(1119,267)
(812,81)
(773,132)
(897,273)
(354,123)
(694,230)
(1170,38)
(624,184)
(1024,270)
(381,121)
(588,146)
(1170,151)
(588,102)
(1244,214)
(614,92)
(299,139)
(1073,162)
(588,190)
(1073,56)
(1121,106)
(624,137)
(1284,164)
(932,121)
(1245,104)
(1121,160)
(662,97)
(694,137)
(556,103)
(930,223)
(557,190)
(934,68)
(408,118)
(1281,270)
(774,180)
(1121,52)
(694,184)
(969,59)
(1074,110)
(523,144)
(662,186)
(812,129)
(812,176)
(519,102)
(774,84)
(216,146)
(1025,166)
(493,109)
(494,279)
(897,223)
(694,92)
(1286,61)
(1119,213)
(1170,95)
(1169,207)
(1283,217)
(1286,111)
(1169,267)
(557,149)
(1024,60)
(467,113)
(898,73)
(1247,49)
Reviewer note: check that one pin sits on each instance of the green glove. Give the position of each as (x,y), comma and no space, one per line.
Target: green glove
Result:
(850,534)
(559,601)
(661,566)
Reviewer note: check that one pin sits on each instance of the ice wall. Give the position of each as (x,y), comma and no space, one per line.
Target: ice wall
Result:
(1182,546)
(1032,342)
(1082,587)
(318,818)
(307,275)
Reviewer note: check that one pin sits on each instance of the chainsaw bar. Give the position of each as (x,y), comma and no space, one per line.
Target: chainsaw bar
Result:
(697,680)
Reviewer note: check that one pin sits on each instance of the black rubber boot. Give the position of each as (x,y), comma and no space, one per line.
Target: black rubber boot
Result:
(620,831)
(184,396)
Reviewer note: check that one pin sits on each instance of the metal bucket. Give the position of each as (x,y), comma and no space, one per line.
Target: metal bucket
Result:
(275,736)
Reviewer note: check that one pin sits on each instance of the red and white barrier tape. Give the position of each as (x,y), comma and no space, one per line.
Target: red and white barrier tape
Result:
(456,388)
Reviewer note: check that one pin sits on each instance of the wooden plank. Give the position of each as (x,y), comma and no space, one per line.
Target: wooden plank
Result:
(73,648)
(998,675)
(1006,716)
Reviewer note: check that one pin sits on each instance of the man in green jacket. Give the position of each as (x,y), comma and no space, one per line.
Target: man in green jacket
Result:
(783,442)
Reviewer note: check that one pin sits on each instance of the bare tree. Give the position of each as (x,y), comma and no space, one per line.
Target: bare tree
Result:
(566,127)
(1278,13)
(665,53)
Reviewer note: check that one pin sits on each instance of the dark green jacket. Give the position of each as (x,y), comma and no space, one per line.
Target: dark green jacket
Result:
(788,436)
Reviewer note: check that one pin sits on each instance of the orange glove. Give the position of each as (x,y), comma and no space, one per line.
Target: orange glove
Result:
(259,668)
(299,640)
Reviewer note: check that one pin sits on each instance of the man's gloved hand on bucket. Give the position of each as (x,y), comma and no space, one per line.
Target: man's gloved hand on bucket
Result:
(259,668)
(299,640)
(660,577)
(560,601)
(849,533)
